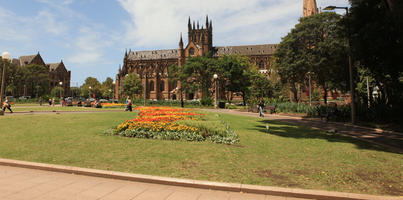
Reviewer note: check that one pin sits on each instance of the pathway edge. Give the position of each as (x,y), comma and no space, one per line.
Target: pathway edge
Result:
(232,187)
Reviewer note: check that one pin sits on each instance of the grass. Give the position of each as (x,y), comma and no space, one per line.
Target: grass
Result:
(58,108)
(286,156)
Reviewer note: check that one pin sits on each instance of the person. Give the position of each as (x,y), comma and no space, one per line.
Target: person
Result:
(50,102)
(6,105)
(261,106)
(129,105)
(53,101)
(63,102)
(40,101)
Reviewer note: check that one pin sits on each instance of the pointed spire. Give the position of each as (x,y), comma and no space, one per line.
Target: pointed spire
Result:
(211,25)
(206,21)
(197,24)
(181,42)
(61,60)
(189,24)
(194,26)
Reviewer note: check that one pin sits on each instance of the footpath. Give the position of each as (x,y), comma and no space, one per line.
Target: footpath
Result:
(392,141)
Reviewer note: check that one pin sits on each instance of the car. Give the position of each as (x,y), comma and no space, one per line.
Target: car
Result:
(24,97)
(103,100)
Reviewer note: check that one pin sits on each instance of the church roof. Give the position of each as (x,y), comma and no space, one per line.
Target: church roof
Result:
(26,59)
(247,50)
(53,66)
(153,55)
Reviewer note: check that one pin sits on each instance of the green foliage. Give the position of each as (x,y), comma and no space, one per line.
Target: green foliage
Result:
(201,70)
(75,91)
(317,44)
(36,79)
(91,87)
(57,91)
(206,101)
(107,88)
(132,85)
(377,42)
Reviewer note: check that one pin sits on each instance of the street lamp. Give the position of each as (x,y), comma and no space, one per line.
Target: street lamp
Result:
(6,57)
(215,76)
(350,67)
(61,83)
(89,92)
(310,92)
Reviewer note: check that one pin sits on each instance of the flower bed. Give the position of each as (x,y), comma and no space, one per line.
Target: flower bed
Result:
(113,105)
(175,124)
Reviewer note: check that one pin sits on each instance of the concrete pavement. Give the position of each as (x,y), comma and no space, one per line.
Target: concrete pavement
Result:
(29,184)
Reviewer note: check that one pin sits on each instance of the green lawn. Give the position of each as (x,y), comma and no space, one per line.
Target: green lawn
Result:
(287,156)
(58,108)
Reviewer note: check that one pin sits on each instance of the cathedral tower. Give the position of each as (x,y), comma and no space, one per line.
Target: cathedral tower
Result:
(309,8)
(201,36)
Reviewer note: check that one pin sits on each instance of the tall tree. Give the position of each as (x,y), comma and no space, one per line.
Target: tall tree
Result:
(317,45)
(377,43)
(107,88)
(91,87)
(132,85)
(36,79)
(197,73)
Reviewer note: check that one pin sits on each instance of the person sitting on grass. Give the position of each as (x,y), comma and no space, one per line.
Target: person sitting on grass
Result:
(6,105)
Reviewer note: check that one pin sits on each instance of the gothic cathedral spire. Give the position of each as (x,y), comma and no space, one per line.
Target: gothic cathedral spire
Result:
(309,8)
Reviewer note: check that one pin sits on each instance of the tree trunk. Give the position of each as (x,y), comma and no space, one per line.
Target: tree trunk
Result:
(294,90)
(325,93)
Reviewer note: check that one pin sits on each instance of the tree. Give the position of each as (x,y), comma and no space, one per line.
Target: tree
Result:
(317,45)
(132,85)
(91,87)
(107,88)
(75,91)
(57,91)
(36,79)
(235,75)
(377,43)
(197,73)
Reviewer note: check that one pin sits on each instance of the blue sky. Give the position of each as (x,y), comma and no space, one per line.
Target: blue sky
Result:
(91,36)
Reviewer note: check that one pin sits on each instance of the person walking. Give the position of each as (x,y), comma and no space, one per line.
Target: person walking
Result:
(261,106)
(129,105)
(7,105)
(53,101)
(50,102)
(40,101)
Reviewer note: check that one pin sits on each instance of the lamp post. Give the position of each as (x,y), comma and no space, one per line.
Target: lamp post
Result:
(215,76)
(6,57)
(310,92)
(350,67)
(61,83)
(89,92)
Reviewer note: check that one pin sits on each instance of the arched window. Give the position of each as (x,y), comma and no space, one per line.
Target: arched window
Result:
(191,51)
(151,85)
(162,86)
(261,65)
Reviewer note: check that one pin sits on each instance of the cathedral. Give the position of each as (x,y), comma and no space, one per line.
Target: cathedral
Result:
(152,66)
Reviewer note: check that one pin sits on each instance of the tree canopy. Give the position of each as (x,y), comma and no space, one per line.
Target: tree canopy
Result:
(317,45)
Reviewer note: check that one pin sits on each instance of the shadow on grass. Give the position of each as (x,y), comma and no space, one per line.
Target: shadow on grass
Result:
(301,131)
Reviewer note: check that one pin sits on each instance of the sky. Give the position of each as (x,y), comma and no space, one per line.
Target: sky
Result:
(91,36)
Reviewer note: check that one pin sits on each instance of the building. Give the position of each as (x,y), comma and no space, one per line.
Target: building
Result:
(57,72)
(152,66)
(309,8)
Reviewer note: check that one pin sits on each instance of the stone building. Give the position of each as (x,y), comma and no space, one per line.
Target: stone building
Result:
(57,72)
(152,66)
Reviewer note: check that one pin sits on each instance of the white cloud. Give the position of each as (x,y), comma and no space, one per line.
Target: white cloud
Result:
(158,23)
(89,47)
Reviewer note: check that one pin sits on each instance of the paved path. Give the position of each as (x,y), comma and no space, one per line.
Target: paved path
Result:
(391,140)
(23,184)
